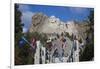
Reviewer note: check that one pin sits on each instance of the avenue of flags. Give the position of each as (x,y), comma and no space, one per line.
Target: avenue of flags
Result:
(45,56)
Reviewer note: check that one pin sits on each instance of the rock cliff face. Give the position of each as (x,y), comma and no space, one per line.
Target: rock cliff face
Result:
(78,29)
(37,21)
(44,24)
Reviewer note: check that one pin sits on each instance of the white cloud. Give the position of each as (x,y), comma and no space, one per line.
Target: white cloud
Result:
(27,18)
(24,8)
(77,10)
(25,30)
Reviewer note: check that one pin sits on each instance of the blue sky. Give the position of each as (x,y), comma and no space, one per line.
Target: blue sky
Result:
(63,13)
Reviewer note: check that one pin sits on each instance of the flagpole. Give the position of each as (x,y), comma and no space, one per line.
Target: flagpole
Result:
(26,41)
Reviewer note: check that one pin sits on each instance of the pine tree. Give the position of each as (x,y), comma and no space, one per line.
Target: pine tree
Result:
(88,53)
(18,33)
(18,24)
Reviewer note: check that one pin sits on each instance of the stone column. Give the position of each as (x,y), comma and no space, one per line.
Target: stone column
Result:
(76,52)
(43,53)
(37,54)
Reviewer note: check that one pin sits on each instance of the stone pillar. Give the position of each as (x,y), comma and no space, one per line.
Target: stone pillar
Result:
(37,54)
(76,52)
(43,54)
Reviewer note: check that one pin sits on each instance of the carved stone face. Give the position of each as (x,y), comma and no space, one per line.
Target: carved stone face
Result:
(52,19)
(36,20)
